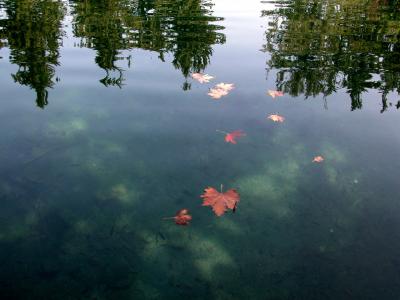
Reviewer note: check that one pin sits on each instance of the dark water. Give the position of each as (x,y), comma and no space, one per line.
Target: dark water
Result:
(104,133)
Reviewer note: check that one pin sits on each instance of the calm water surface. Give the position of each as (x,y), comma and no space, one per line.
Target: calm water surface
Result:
(104,133)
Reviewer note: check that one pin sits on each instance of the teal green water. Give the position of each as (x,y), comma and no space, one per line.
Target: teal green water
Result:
(104,133)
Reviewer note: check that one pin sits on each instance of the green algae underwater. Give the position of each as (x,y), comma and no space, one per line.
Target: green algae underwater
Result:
(104,133)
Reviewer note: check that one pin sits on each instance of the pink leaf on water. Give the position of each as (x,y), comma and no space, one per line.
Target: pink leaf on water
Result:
(276,118)
(202,78)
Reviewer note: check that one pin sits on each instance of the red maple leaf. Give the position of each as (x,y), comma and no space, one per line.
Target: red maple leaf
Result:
(220,202)
(182,217)
(232,136)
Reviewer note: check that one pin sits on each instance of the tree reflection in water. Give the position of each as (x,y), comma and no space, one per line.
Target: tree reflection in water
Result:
(32,29)
(319,47)
(33,33)
(183,28)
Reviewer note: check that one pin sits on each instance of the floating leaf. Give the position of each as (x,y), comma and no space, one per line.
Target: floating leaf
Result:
(318,159)
(221,89)
(202,78)
(217,93)
(232,136)
(182,217)
(219,201)
(274,94)
(225,86)
(276,118)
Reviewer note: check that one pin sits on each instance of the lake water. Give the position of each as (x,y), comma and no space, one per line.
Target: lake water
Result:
(104,133)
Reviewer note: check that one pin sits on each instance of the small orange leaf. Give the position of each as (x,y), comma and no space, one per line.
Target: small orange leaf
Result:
(182,217)
(318,159)
(232,136)
(276,118)
(274,94)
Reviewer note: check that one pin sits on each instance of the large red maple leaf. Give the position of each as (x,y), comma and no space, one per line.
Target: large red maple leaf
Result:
(219,201)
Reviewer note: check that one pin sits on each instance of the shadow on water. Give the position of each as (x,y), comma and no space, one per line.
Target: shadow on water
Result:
(318,47)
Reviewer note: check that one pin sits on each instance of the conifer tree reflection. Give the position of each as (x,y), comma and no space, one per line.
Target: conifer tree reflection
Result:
(193,33)
(183,28)
(2,29)
(318,47)
(1,44)
(103,26)
(33,33)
